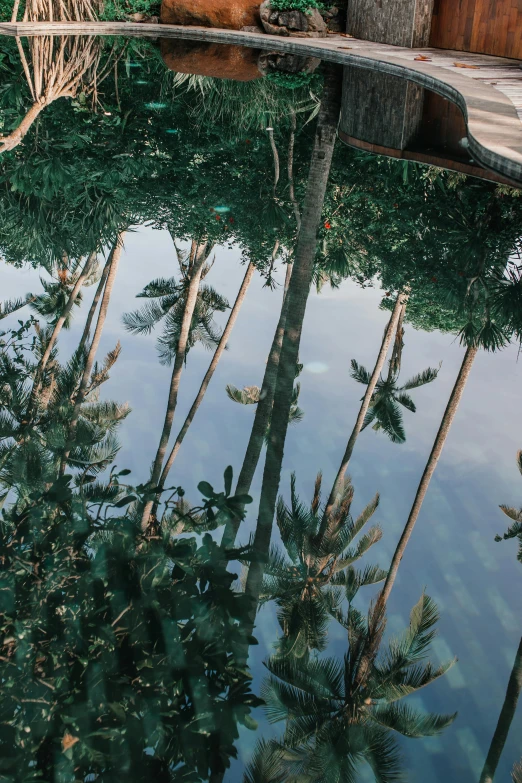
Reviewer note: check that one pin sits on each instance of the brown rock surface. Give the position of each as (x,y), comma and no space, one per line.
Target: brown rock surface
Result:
(230,14)
(292,23)
(222,61)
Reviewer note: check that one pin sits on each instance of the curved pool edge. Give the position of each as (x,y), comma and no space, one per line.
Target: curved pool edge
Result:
(493,125)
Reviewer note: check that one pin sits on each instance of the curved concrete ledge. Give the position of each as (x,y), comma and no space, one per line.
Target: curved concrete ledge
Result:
(493,125)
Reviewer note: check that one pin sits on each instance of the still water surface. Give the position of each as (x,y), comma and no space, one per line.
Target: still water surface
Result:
(126,647)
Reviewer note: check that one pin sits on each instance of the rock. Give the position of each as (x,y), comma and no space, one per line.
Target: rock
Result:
(143,19)
(293,20)
(279,62)
(252,28)
(335,19)
(221,61)
(230,14)
(292,23)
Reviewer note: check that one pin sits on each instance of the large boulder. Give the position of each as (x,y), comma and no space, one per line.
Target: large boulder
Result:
(231,14)
(292,23)
(221,61)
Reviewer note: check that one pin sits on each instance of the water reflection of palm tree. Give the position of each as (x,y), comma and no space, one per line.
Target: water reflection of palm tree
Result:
(87,378)
(295,304)
(252,395)
(57,303)
(336,718)
(490,329)
(371,381)
(506,716)
(436,451)
(314,575)
(384,411)
(515,514)
(515,680)
(262,415)
(182,322)
(227,331)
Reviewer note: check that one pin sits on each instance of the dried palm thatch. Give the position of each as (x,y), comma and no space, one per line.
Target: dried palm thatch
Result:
(58,10)
(57,67)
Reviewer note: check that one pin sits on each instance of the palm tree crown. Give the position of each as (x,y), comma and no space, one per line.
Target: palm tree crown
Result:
(336,721)
(168,305)
(384,411)
(315,573)
(515,530)
(251,395)
(53,301)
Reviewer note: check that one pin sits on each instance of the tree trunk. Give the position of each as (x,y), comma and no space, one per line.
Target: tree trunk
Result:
(114,257)
(200,256)
(379,364)
(206,380)
(58,327)
(14,15)
(505,719)
(261,418)
(94,305)
(290,169)
(398,345)
(297,296)
(438,445)
(11,141)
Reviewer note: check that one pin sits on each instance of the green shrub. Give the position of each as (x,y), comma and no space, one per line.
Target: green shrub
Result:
(6,10)
(119,10)
(295,5)
(292,81)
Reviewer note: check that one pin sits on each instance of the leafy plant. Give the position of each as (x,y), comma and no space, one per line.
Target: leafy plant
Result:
(120,10)
(295,5)
(291,81)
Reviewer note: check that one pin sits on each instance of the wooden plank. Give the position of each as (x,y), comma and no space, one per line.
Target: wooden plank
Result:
(483,26)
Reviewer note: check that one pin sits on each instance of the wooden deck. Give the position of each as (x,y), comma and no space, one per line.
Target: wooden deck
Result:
(484,26)
(503,75)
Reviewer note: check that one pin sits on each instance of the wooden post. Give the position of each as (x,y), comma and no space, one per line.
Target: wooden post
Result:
(396,22)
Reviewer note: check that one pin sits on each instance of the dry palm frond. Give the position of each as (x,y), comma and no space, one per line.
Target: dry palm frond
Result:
(101,374)
(61,10)
(57,67)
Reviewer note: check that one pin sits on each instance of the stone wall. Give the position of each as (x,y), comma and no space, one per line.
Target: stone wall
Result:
(397,22)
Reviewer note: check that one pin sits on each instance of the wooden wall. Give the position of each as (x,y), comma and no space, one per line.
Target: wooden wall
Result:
(486,26)
(397,22)
(380,108)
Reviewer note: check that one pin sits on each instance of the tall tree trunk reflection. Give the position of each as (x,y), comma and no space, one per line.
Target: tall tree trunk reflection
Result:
(261,418)
(379,364)
(436,451)
(89,362)
(62,319)
(505,719)
(295,303)
(94,304)
(208,377)
(199,254)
